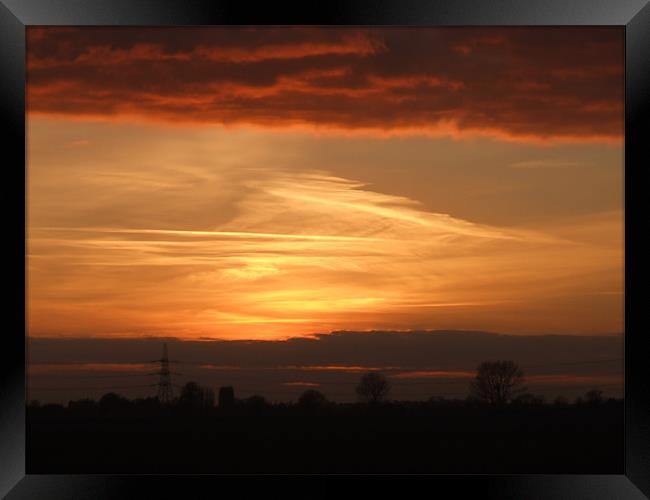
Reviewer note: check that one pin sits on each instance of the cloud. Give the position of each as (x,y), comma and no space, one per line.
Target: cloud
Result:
(283,252)
(302,384)
(435,351)
(423,374)
(303,251)
(200,233)
(79,142)
(532,84)
(547,163)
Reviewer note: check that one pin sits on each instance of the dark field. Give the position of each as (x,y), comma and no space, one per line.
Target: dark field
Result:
(391,438)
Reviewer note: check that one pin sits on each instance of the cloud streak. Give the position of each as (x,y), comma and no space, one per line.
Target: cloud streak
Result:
(548,163)
(302,252)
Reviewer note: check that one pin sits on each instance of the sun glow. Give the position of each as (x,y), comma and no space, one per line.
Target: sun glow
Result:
(150,243)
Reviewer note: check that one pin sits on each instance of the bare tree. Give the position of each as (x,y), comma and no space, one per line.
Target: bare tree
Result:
(497,382)
(594,397)
(196,396)
(373,387)
(561,401)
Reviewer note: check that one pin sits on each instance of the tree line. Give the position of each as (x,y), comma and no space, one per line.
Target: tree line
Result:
(496,384)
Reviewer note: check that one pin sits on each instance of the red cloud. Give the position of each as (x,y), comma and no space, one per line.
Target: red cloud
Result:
(516,83)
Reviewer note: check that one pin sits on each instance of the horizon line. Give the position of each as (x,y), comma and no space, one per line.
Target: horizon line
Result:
(317,336)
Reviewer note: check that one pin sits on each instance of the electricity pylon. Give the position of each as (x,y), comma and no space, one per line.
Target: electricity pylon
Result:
(165,386)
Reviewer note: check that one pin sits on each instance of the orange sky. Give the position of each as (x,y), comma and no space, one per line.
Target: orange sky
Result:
(239,183)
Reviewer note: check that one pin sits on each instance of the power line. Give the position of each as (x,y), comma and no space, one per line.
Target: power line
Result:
(165,386)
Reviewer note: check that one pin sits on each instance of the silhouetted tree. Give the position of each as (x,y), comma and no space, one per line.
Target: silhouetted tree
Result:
(226,397)
(84,406)
(194,396)
(561,401)
(255,403)
(311,399)
(191,395)
(147,404)
(111,402)
(52,410)
(497,382)
(528,399)
(594,397)
(373,387)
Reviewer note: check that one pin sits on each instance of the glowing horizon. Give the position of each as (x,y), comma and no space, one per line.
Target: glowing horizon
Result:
(251,224)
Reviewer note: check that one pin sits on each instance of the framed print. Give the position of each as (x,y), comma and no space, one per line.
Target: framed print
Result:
(377,239)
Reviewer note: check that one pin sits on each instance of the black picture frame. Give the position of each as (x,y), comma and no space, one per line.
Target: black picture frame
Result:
(15,15)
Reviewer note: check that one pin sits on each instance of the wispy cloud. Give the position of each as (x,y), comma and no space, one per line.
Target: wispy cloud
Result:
(303,252)
(231,235)
(547,163)
(424,374)
(79,143)
(302,384)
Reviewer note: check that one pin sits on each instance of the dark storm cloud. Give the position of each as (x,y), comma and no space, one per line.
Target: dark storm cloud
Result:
(444,350)
(518,83)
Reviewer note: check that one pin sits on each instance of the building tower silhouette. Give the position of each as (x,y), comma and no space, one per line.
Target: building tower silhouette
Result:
(165,387)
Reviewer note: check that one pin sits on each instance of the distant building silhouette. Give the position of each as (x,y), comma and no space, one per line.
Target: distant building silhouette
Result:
(226,397)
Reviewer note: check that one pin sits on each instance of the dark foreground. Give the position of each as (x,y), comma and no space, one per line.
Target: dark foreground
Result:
(390,439)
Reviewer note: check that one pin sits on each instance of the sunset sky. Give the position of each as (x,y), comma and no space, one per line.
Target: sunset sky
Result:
(239,183)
